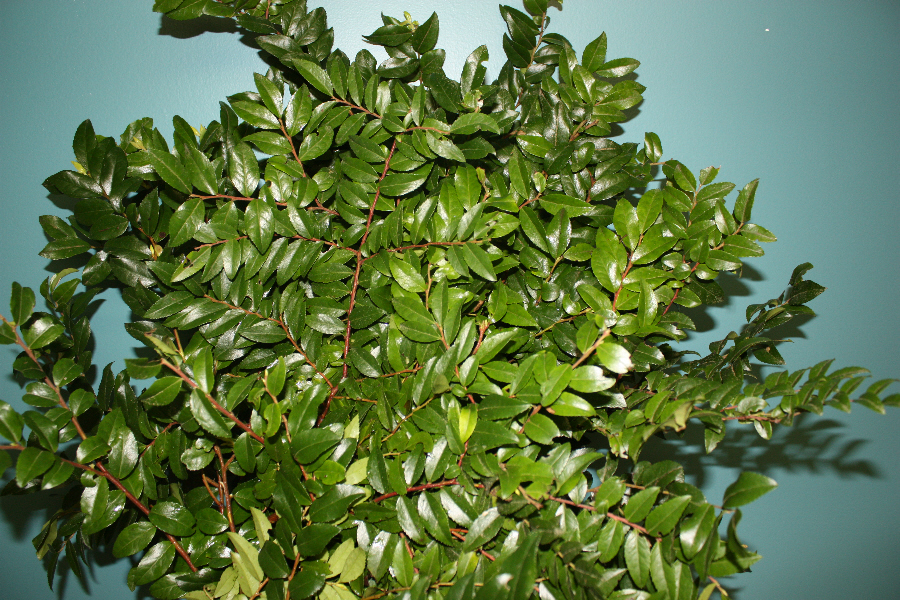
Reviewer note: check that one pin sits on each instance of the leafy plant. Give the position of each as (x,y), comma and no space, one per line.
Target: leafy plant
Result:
(391,319)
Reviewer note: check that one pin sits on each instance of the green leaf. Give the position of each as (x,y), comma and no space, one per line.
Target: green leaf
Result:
(133,539)
(483,530)
(590,378)
(664,517)
(162,391)
(208,417)
(399,184)
(743,206)
(425,37)
(259,223)
(255,114)
(21,303)
(172,518)
(594,55)
(170,169)
(471,122)
(334,503)
(154,564)
(91,449)
(64,248)
(748,487)
(639,505)
(65,371)
(614,357)
(186,221)
(407,276)
(493,344)
(203,367)
(637,558)
(315,75)
(33,462)
(211,521)
(316,144)
(541,429)
(312,539)
(272,561)
(478,260)
(243,169)
(11,423)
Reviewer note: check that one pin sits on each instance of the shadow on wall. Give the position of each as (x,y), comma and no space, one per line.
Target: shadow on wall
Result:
(812,445)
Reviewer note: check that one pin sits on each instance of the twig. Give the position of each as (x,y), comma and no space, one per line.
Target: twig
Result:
(216,405)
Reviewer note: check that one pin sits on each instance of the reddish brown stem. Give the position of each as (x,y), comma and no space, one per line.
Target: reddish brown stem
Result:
(226,495)
(418,488)
(291,142)
(224,411)
(146,511)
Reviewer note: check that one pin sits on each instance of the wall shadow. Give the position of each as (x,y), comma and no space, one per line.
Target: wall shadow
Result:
(812,445)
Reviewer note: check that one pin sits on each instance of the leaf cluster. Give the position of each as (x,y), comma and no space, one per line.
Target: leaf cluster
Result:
(406,335)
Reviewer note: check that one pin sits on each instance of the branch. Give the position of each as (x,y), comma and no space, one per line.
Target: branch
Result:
(418,488)
(216,405)
(21,343)
(140,505)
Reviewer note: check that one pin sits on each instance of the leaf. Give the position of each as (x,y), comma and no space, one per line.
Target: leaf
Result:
(154,564)
(743,206)
(162,391)
(203,367)
(64,248)
(399,184)
(639,505)
(33,462)
(272,561)
(493,343)
(435,518)
(614,357)
(312,539)
(637,557)
(259,223)
(314,74)
(334,503)
(248,553)
(483,529)
(594,55)
(407,276)
(748,487)
(471,122)
(541,429)
(243,170)
(256,114)
(425,37)
(21,303)
(91,449)
(316,144)
(170,169)
(186,221)
(208,417)
(11,423)
(172,518)
(664,517)
(133,539)
(590,378)
(478,260)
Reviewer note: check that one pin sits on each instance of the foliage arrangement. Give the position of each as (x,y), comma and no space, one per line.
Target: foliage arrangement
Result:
(391,318)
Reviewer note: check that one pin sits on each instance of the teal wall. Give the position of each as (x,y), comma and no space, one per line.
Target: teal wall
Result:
(802,94)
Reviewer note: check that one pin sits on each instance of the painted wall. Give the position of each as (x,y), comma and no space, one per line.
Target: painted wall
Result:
(801,94)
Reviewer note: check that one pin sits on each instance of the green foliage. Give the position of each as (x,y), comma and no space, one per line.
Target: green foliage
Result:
(395,318)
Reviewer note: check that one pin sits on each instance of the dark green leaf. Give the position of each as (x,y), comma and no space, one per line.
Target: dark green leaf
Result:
(748,487)
(133,539)
(172,518)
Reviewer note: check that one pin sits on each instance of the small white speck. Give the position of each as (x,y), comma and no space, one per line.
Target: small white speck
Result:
(766,29)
